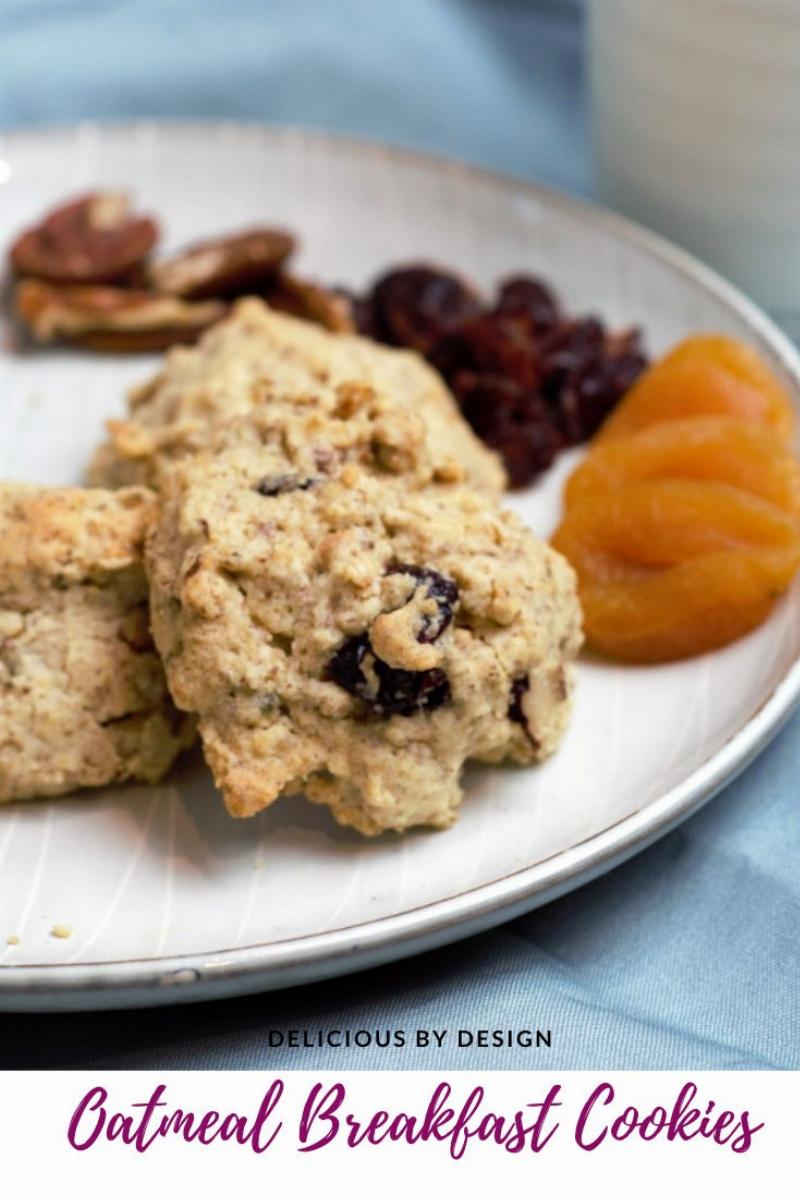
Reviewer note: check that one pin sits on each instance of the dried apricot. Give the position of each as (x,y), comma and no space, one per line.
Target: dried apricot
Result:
(669,568)
(707,375)
(743,455)
(745,364)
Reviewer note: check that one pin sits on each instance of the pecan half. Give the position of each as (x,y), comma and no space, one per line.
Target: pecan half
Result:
(311,302)
(222,266)
(111,318)
(95,239)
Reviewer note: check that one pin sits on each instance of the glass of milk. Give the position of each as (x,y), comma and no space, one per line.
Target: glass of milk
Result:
(695,106)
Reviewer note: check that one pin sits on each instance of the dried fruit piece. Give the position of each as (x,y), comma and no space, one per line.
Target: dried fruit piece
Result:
(398,692)
(409,692)
(670,568)
(586,379)
(223,266)
(530,302)
(95,239)
(443,591)
(489,345)
(415,306)
(110,318)
(746,365)
(578,369)
(682,521)
(530,380)
(311,302)
(743,455)
(704,376)
(570,349)
(516,422)
(344,667)
(520,686)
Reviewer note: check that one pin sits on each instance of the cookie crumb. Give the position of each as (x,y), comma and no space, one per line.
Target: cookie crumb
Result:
(12,939)
(62,931)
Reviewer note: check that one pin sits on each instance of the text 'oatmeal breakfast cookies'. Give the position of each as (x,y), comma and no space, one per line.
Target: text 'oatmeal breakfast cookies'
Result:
(258,359)
(351,634)
(83,699)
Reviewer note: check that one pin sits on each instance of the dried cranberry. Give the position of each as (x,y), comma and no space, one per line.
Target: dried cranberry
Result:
(569,350)
(512,420)
(438,588)
(487,400)
(529,380)
(399,692)
(586,373)
(526,458)
(489,344)
(528,301)
(626,359)
(407,692)
(415,306)
(519,687)
(361,312)
(344,668)
(272,485)
(585,403)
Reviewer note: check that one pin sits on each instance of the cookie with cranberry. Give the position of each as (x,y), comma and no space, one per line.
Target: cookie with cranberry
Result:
(340,632)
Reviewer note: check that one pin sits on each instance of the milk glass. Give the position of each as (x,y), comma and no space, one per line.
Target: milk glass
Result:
(695,106)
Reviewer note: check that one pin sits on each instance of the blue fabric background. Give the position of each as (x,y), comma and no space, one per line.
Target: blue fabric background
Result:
(686,957)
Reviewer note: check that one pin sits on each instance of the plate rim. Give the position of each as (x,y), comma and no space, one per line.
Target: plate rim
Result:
(151,981)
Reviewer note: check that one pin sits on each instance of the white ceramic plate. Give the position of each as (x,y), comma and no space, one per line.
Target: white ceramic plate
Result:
(167,898)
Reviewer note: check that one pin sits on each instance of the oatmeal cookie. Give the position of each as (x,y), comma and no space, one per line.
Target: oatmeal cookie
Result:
(260,359)
(351,636)
(83,699)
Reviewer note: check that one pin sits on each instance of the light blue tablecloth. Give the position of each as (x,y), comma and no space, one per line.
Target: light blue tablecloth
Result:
(688,956)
